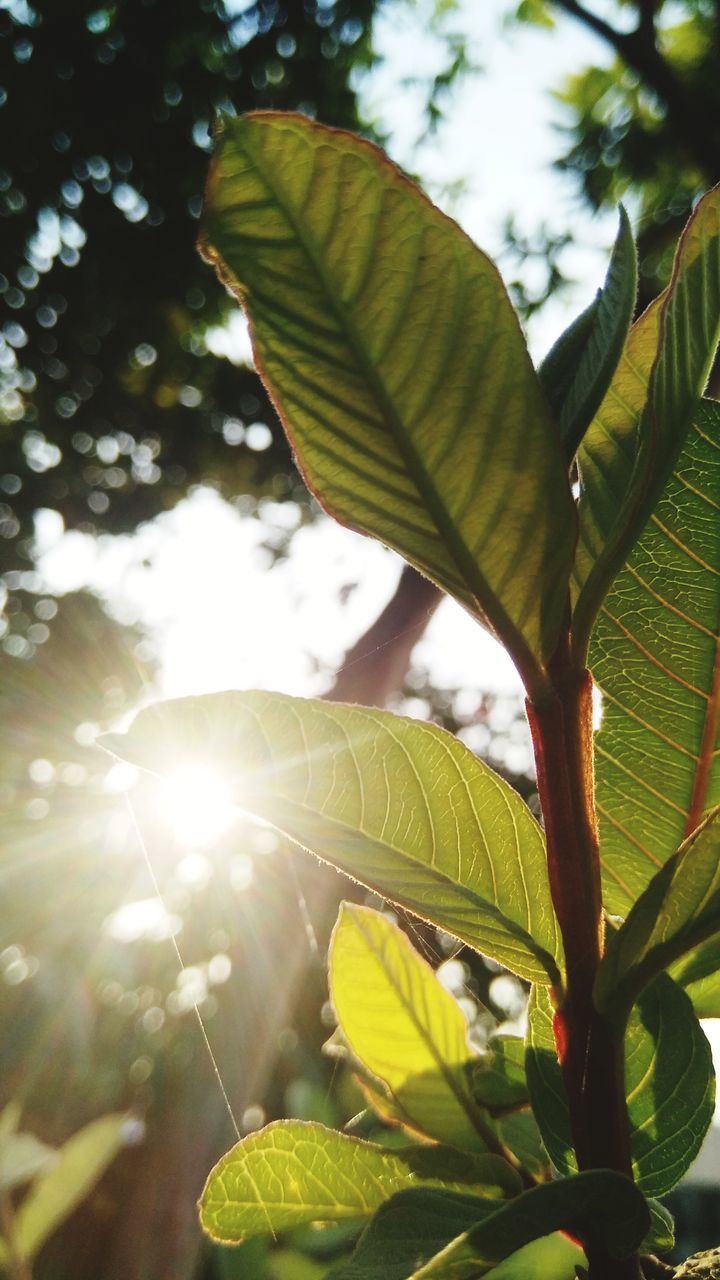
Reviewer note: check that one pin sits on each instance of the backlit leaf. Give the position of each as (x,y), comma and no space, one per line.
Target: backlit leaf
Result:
(633,444)
(292,1172)
(577,371)
(54,1194)
(403,1026)
(399,805)
(396,361)
(669,1085)
(679,910)
(656,655)
(418,1235)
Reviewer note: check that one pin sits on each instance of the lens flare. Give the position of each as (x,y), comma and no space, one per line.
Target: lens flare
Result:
(197,804)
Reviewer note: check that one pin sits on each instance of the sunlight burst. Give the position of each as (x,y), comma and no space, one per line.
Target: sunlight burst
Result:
(197,804)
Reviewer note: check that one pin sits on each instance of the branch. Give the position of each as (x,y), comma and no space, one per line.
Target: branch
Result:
(688,116)
(376,666)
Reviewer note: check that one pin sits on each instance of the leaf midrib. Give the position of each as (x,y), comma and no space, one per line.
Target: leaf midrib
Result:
(461,1097)
(479,589)
(515,931)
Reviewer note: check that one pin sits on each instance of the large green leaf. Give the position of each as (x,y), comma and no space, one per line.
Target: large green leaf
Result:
(656,655)
(400,805)
(669,1085)
(403,1026)
(293,1172)
(631,447)
(421,1234)
(398,366)
(56,1192)
(577,371)
(679,910)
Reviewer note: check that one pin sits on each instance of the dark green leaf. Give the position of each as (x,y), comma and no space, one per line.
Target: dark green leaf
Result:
(656,655)
(669,1084)
(418,1235)
(631,447)
(398,366)
(497,1075)
(661,1236)
(679,910)
(577,371)
(370,792)
(293,1172)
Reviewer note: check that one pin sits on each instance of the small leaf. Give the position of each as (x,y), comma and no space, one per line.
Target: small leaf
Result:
(418,1235)
(699,975)
(80,1162)
(398,366)
(377,982)
(577,371)
(630,449)
(397,804)
(497,1075)
(519,1133)
(661,1236)
(669,1085)
(679,910)
(292,1172)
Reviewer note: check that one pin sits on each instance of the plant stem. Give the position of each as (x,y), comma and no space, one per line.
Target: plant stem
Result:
(590,1054)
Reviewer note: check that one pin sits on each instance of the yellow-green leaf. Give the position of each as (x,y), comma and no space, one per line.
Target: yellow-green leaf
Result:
(292,1172)
(403,1026)
(398,366)
(400,805)
(54,1195)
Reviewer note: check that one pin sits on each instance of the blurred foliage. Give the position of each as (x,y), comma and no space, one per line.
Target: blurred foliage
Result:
(111,402)
(644,123)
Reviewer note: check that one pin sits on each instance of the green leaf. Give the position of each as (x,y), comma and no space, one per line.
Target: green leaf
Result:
(519,1133)
(399,805)
(577,371)
(57,1192)
(377,982)
(661,1236)
(631,447)
(655,654)
(669,1085)
(292,1172)
(679,910)
(699,975)
(418,1234)
(545,1082)
(497,1075)
(397,364)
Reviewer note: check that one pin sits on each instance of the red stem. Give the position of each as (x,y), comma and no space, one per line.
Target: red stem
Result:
(590,1054)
